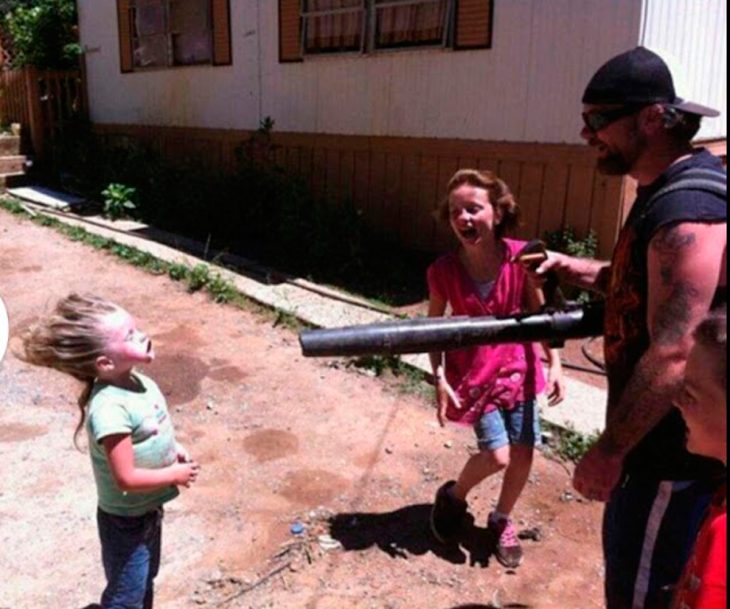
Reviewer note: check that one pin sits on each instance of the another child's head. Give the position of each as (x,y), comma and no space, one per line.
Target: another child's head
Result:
(89,338)
(478,205)
(703,401)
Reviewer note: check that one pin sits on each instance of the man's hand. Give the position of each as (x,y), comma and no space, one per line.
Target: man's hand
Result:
(597,474)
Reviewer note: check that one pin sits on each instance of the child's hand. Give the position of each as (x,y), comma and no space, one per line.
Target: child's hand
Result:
(555,385)
(184,474)
(444,393)
(183,456)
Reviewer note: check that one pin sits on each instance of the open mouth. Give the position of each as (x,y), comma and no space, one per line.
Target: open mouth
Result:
(469,233)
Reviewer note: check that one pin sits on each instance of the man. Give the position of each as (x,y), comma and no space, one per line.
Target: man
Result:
(667,268)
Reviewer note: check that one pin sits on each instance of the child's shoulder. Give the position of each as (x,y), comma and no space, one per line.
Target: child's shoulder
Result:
(444,261)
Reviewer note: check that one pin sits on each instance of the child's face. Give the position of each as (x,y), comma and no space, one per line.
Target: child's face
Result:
(471,215)
(126,345)
(703,404)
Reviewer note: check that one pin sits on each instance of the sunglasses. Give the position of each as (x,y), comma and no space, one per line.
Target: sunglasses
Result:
(600,119)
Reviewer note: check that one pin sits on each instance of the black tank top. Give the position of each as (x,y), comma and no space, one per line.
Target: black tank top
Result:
(661,454)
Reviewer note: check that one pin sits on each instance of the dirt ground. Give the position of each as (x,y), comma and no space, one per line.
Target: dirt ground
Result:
(281,440)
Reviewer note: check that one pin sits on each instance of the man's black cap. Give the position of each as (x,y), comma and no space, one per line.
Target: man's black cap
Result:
(638,76)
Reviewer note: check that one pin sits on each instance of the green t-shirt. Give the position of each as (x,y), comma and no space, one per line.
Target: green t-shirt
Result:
(143,415)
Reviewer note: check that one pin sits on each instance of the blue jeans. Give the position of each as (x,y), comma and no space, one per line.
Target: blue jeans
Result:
(130,552)
(649,529)
(498,428)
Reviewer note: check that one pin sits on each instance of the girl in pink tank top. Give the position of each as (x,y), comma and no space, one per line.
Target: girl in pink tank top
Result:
(494,388)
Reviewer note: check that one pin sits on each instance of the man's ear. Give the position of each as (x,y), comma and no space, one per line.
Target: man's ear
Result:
(654,117)
(104,363)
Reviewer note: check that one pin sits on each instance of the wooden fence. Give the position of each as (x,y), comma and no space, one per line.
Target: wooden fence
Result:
(43,102)
(13,98)
(396,183)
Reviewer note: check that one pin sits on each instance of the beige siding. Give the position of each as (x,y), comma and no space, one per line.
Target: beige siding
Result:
(525,88)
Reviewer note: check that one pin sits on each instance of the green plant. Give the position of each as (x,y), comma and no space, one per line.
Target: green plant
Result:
(565,240)
(221,289)
(570,444)
(198,277)
(177,271)
(118,201)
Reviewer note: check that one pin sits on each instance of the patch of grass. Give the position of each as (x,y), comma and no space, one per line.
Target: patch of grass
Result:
(287,320)
(407,379)
(196,278)
(569,444)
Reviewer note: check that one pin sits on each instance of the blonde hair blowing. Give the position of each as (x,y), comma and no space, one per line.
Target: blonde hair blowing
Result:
(70,339)
(500,197)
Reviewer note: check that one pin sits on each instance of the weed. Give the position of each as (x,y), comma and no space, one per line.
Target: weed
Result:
(118,201)
(286,319)
(570,444)
(221,289)
(198,277)
(177,271)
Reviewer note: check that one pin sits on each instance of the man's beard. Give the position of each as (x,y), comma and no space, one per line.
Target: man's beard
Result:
(615,164)
(621,163)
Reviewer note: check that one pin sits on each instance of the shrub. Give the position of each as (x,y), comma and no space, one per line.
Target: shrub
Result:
(118,201)
(43,34)
(565,240)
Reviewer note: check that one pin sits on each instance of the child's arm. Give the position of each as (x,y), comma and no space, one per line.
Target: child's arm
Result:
(129,478)
(555,382)
(444,391)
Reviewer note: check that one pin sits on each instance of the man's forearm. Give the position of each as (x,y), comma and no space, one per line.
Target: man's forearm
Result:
(586,273)
(646,400)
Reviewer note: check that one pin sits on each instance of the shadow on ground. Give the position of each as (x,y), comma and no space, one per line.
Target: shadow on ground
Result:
(406,532)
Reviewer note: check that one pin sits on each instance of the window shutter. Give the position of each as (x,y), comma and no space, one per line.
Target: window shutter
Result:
(290,31)
(473,24)
(124,26)
(221,19)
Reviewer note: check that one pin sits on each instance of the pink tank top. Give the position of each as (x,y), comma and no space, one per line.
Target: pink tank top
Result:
(487,377)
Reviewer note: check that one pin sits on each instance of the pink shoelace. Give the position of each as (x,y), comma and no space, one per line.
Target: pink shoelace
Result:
(508,533)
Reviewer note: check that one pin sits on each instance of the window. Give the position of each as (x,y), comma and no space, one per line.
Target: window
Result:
(338,26)
(170,33)
(410,23)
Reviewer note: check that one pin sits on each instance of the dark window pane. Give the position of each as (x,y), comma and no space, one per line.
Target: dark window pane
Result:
(410,24)
(191,48)
(334,33)
(150,52)
(327,5)
(149,18)
(189,15)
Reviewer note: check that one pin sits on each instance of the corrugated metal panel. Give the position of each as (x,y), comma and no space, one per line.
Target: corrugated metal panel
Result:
(693,34)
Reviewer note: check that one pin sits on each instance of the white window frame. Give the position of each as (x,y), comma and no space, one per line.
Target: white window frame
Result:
(369,10)
(169,35)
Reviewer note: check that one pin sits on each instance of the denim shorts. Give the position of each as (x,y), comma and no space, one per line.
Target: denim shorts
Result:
(130,550)
(521,425)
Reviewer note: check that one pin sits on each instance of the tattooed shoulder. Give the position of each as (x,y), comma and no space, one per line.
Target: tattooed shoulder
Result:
(671,240)
(673,316)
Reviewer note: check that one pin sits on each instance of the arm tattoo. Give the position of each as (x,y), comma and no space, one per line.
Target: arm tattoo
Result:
(673,317)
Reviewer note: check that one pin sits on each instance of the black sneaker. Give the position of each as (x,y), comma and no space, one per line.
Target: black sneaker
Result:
(447,514)
(508,550)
